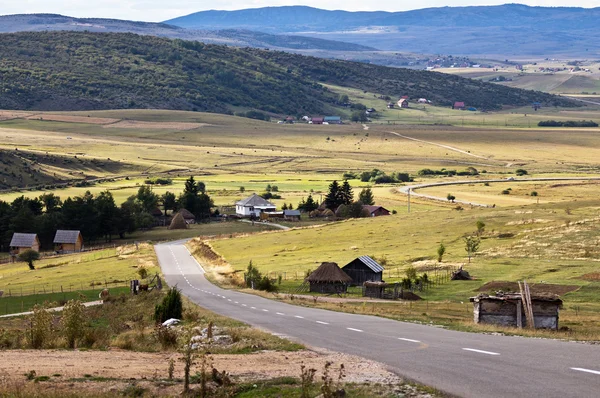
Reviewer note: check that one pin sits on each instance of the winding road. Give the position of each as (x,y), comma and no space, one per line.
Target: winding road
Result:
(458,363)
(411,188)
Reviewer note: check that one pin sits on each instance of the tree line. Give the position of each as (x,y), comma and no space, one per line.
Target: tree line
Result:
(97,216)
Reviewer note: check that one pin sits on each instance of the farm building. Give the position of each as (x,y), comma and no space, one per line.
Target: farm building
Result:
(253,205)
(291,215)
(507,309)
(363,269)
(21,242)
(187,215)
(316,120)
(459,105)
(328,278)
(68,241)
(403,103)
(390,105)
(376,211)
(332,119)
(422,101)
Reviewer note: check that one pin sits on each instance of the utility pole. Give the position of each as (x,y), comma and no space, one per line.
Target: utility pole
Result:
(409,200)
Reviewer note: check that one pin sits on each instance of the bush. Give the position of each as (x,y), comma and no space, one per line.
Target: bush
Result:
(521,172)
(167,337)
(505,192)
(171,307)
(534,193)
(73,322)
(568,123)
(41,329)
(158,181)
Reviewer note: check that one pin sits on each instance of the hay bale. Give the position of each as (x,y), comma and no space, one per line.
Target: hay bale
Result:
(178,222)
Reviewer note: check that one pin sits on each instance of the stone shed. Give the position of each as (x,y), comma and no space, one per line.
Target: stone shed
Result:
(507,309)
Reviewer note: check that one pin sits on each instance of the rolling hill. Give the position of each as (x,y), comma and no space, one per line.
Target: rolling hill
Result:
(510,29)
(85,71)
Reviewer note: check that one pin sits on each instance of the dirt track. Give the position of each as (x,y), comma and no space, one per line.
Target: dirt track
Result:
(125,365)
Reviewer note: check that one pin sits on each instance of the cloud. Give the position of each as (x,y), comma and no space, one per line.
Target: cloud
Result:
(160,10)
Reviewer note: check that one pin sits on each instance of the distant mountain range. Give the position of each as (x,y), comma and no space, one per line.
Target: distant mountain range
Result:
(234,37)
(506,30)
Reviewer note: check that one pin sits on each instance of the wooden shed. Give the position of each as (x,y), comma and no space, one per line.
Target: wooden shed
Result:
(68,241)
(21,242)
(328,278)
(507,309)
(363,269)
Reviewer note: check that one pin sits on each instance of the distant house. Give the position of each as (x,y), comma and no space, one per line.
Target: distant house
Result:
(316,120)
(21,242)
(68,241)
(390,105)
(363,269)
(332,119)
(536,106)
(291,215)
(328,278)
(376,211)
(459,105)
(188,216)
(253,205)
(422,101)
(403,103)
(289,120)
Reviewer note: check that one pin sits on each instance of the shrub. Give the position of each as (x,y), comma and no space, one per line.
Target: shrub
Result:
(521,172)
(505,192)
(41,329)
(534,193)
(167,337)
(73,322)
(171,306)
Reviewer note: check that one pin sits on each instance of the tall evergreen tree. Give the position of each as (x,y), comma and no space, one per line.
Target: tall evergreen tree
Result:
(332,200)
(366,197)
(346,194)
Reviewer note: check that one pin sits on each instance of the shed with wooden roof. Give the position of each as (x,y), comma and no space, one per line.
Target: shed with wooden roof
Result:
(21,242)
(363,269)
(66,241)
(328,278)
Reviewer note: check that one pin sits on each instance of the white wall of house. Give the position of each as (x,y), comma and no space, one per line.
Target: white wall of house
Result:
(247,211)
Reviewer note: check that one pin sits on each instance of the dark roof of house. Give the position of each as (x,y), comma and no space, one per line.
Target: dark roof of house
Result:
(548,297)
(329,273)
(23,240)
(373,209)
(291,213)
(254,200)
(369,262)
(64,236)
(186,214)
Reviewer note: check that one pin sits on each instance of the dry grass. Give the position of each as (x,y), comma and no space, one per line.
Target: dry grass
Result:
(136,124)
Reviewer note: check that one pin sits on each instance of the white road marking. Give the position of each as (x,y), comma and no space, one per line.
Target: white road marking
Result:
(354,330)
(280,313)
(253,308)
(596,372)
(265,310)
(481,351)
(244,305)
(322,323)
(236,302)
(409,340)
(228,299)
(298,316)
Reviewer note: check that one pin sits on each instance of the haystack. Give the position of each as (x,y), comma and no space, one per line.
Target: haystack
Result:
(178,222)
(328,278)
(187,215)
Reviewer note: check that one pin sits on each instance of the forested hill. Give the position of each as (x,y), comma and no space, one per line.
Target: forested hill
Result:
(81,70)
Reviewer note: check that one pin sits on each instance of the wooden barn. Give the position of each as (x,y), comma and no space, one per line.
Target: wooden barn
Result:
(21,242)
(507,309)
(363,269)
(376,211)
(328,278)
(68,241)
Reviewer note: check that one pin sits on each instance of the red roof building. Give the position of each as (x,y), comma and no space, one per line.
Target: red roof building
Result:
(459,105)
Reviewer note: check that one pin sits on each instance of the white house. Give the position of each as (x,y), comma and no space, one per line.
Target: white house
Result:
(253,205)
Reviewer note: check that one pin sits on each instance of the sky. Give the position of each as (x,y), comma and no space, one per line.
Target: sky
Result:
(161,10)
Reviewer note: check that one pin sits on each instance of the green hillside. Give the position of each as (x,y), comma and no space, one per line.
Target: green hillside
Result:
(84,71)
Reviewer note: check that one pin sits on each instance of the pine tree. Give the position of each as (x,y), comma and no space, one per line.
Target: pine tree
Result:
(366,197)
(346,194)
(332,200)
(284,207)
(309,205)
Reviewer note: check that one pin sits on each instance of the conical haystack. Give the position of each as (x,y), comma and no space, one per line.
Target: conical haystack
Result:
(328,273)
(178,222)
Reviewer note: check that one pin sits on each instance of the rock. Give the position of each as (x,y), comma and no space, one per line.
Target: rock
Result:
(171,322)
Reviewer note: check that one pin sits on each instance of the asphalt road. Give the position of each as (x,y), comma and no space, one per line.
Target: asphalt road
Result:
(462,364)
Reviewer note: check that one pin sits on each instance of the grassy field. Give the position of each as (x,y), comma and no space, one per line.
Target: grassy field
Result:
(78,271)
